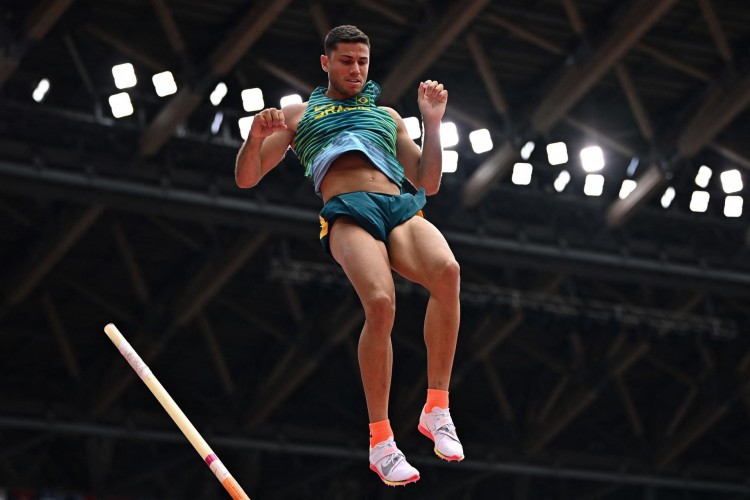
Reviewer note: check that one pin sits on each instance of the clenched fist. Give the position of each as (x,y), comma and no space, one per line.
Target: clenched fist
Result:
(267,122)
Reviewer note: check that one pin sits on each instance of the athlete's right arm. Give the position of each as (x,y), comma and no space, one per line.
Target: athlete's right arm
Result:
(271,134)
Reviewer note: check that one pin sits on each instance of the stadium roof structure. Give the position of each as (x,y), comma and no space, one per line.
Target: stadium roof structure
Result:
(603,351)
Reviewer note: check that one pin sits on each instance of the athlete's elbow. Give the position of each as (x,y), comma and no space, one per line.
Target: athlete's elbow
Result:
(245,182)
(431,188)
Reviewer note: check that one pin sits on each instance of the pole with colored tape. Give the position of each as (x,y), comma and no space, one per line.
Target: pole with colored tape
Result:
(190,432)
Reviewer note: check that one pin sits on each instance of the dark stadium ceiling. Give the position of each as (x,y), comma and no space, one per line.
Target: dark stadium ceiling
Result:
(603,350)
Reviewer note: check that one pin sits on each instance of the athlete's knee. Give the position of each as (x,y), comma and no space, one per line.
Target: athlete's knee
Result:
(380,310)
(446,277)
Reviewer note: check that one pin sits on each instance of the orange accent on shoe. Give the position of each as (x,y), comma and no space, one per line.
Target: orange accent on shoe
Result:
(412,479)
(436,397)
(379,432)
(456,458)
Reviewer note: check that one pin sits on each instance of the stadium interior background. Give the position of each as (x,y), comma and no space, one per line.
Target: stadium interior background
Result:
(603,352)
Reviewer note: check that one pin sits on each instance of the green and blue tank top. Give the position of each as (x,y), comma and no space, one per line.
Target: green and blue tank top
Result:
(329,127)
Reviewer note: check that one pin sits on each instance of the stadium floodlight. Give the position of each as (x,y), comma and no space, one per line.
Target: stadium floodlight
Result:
(290,99)
(124,75)
(218,94)
(216,124)
(557,153)
(481,140)
(245,123)
(522,174)
(527,149)
(592,159)
(164,83)
(703,176)
(594,185)
(448,134)
(252,99)
(699,201)
(563,178)
(121,105)
(413,127)
(733,206)
(628,186)
(40,92)
(450,161)
(668,197)
(731,181)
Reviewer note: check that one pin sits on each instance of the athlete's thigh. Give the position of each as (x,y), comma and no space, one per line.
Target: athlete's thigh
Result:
(363,258)
(417,247)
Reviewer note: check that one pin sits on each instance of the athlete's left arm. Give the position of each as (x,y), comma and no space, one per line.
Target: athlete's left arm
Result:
(424,168)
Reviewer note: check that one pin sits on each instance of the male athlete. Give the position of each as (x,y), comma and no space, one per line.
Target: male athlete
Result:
(358,156)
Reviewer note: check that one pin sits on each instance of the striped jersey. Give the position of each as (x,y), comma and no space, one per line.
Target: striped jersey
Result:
(330,127)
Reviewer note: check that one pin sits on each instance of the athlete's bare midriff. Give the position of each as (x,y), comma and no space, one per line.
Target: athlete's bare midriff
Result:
(353,171)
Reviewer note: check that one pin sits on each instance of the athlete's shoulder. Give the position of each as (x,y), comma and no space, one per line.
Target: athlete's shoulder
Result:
(293,114)
(394,114)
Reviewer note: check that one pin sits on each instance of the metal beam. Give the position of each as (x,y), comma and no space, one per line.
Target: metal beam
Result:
(320,20)
(731,155)
(170,26)
(580,78)
(126,47)
(78,63)
(387,12)
(648,184)
(184,203)
(680,413)
(718,111)
(41,20)
(597,135)
(497,97)
(134,270)
(63,342)
(697,426)
(636,105)
(636,423)
(501,395)
(214,275)
(53,246)
(116,311)
(674,63)
(285,76)
(553,398)
(578,401)
(524,34)
(489,173)
(195,295)
(571,87)
(717,32)
(217,355)
(220,62)
(425,49)
(306,363)
(347,452)
(574,16)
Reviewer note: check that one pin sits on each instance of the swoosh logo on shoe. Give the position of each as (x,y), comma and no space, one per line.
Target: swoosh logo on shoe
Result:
(387,468)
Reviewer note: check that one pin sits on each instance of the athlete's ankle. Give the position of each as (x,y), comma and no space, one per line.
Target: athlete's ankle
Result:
(380,431)
(436,397)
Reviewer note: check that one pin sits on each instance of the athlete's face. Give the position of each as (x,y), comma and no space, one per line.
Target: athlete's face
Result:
(346,66)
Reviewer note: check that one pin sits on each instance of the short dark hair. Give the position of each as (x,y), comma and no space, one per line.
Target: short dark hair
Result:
(347,34)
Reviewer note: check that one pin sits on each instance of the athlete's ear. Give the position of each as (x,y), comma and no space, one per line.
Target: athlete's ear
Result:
(324,62)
